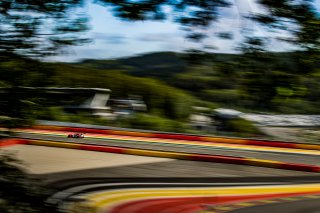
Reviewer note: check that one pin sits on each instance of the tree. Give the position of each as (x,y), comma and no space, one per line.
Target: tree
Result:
(34,28)
(301,20)
(193,15)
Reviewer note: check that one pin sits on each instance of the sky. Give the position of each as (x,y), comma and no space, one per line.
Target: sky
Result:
(113,38)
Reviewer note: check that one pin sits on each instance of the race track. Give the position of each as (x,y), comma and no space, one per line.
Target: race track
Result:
(299,156)
(260,190)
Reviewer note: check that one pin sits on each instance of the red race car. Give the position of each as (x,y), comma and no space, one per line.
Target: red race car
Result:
(76,135)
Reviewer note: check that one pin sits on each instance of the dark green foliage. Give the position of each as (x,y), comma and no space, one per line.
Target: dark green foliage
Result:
(241,126)
(227,96)
(268,82)
(152,122)
(159,97)
(162,65)
(21,109)
(19,71)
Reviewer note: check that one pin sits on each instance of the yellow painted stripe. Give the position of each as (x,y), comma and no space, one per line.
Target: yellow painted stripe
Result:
(268,201)
(290,198)
(224,208)
(307,146)
(245,204)
(54,144)
(224,140)
(312,196)
(130,133)
(42,127)
(208,211)
(260,162)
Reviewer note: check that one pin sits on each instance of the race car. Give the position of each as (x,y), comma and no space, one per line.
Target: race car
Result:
(76,135)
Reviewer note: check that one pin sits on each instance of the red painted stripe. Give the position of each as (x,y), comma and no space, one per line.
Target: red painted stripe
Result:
(86,130)
(270,143)
(218,159)
(299,167)
(177,136)
(117,150)
(11,142)
(144,205)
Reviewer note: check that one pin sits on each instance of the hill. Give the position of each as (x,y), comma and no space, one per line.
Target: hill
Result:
(266,81)
(160,65)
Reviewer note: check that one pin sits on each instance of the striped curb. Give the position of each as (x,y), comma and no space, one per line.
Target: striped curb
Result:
(193,199)
(11,142)
(178,136)
(180,155)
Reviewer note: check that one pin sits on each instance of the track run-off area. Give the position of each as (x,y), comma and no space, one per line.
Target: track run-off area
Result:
(183,195)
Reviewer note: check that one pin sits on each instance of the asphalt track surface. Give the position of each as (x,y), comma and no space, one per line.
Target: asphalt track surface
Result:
(53,164)
(293,156)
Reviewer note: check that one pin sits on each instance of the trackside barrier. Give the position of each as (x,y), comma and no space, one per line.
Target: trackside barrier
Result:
(224,140)
(151,153)
(11,142)
(53,144)
(181,155)
(116,150)
(131,133)
(179,136)
(264,163)
(218,159)
(299,167)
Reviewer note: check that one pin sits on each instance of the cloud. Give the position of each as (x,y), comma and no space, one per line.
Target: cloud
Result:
(108,38)
(157,37)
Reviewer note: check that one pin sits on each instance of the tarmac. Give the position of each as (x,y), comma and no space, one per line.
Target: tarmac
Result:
(54,164)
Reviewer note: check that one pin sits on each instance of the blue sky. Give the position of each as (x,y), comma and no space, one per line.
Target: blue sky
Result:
(113,38)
